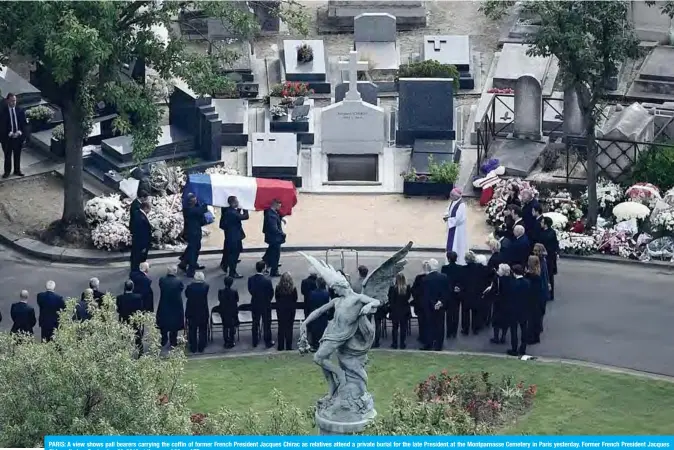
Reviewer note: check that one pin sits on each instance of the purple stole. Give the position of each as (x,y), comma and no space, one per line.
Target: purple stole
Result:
(452,231)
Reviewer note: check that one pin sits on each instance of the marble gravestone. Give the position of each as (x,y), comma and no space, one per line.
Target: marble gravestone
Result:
(368,92)
(375,40)
(353,126)
(573,122)
(514,62)
(454,50)
(426,110)
(313,72)
(274,155)
(528,120)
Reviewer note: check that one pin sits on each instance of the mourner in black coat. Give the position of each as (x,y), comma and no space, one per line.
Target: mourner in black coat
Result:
(13,132)
(128,304)
(379,318)
(228,306)
(399,310)
(472,305)
(455,274)
(307,287)
(170,311)
(50,305)
(197,313)
(23,315)
(231,223)
(142,285)
(536,226)
(274,237)
(518,311)
(499,292)
(493,263)
(136,204)
(82,307)
(520,248)
(194,213)
(417,296)
(436,295)
(319,297)
(141,237)
(261,294)
(529,204)
(548,237)
(286,304)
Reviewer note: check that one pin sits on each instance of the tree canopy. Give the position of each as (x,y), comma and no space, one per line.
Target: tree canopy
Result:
(80,47)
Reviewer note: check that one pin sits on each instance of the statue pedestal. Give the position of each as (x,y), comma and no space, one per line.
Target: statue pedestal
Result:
(332,428)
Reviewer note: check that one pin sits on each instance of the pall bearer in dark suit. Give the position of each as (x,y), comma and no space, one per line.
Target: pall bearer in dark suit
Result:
(13,132)
(230,223)
(273,236)
(141,236)
(23,315)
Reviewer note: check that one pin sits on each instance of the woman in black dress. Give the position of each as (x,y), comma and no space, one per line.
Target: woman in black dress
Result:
(286,304)
(399,304)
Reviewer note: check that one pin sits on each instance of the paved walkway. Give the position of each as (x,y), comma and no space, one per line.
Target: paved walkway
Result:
(605,314)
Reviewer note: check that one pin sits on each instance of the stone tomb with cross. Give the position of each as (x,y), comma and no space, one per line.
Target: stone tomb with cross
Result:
(454,50)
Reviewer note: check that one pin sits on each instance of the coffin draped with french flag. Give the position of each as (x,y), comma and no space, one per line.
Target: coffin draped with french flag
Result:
(254,194)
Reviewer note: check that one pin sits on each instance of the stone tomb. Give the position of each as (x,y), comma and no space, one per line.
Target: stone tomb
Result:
(437,151)
(367,90)
(454,50)
(299,120)
(313,72)
(274,155)
(234,116)
(528,120)
(267,14)
(426,110)
(655,81)
(26,93)
(339,15)
(375,41)
(514,63)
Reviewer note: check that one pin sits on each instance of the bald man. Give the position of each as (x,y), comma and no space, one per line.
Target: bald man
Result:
(23,315)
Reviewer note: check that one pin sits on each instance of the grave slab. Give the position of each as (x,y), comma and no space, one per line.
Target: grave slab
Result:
(659,65)
(233,113)
(514,63)
(518,156)
(426,110)
(374,27)
(171,139)
(311,71)
(382,55)
(447,49)
(274,150)
(26,93)
(340,14)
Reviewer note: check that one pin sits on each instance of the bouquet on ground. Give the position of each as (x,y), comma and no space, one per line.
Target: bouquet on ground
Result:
(645,193)
(576,243)
(609,194)
(108,208)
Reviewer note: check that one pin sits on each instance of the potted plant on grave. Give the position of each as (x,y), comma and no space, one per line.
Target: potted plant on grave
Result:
(287,92)
(58,141)
(438,183)
(278,111)
(305,53)
(39,117)
(429,69)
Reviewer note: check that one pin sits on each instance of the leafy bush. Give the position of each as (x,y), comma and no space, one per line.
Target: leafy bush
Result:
(445,172)
(656,166)
(39,114)
(429,69)
(58,133)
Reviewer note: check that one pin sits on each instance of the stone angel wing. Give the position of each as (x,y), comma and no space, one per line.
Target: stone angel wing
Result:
(377,283)
(326,271)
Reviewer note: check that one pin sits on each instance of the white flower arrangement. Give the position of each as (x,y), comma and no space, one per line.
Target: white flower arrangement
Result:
(168,179)
(608,194)
(166,219)
(576,244)
(615,242)
(502,187)
(111,236)
(664,222)
(105,209)
(559,220)
(669,197)
(645,193)
(561,202)
(221,170)
(630,210)
(495,211)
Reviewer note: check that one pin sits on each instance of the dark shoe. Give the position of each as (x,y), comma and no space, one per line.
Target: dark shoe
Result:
(236,276)
(19,174)
(280,349)
(201,267)
(403,346)
(275,275)
(501,341)
(182,267)
(426,348)
(512,353)
(437,349)
(394,346)
(224,268)
(238,261)
(229,345)
(254,345)
(522,351)
(5,175)
(270,344)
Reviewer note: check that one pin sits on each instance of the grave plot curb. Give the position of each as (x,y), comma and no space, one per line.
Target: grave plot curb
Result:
(42,251)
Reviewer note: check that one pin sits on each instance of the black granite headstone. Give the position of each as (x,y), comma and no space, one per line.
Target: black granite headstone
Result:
(426,110)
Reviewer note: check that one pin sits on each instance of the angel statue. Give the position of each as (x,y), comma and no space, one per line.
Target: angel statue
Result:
(349,336)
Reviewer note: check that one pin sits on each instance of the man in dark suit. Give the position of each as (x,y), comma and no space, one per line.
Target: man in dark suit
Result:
(518,306)
(454,273)
(261,294)
(537,225)
(529,203)
(13,131)
(273,236)
(548,237)
(230,222)
(94,285)
(129,304)
(194,219)
(142,285)
(170,311)
(82,308)
(23,315)
(141,236)
(50,305)
(197,313)
(520,248)
(136,206)
(307,287)
(435,292)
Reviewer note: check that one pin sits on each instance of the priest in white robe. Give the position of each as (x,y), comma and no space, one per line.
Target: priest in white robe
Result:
(457,232)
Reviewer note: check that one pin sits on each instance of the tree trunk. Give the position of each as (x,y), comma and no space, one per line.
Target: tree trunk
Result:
(592,203)
(73,200)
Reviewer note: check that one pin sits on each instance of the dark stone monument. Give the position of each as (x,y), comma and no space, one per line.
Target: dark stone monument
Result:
(26,93)
(267,14)
(426,110)
(368,92)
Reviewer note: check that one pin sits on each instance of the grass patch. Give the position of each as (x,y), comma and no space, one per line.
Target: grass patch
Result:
(570,399)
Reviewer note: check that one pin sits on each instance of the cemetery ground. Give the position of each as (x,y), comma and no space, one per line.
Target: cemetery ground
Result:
(569,400)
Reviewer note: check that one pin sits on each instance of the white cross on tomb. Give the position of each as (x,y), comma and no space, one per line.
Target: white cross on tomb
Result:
(353,66)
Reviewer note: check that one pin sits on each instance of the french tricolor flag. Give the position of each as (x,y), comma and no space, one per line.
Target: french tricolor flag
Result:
(254,194)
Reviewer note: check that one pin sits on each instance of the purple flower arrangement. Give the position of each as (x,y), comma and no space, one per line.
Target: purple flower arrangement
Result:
(489,165)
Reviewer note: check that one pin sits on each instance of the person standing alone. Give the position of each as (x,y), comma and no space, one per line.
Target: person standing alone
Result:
(12,135)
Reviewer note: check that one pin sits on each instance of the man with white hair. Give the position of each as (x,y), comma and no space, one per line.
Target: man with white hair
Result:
(197,313)
(50,304)
(457,231)
(170,311)
(94,284)
(142,285)
(23,315)
(519,249)
(435,288)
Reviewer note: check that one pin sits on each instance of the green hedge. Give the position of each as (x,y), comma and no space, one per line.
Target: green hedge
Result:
(656,166)
(429,69)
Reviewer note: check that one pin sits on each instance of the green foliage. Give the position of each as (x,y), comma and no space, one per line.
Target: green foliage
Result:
(429,69)
(444,172)
(58,132)
(495,9)
(79,48)
(666,7)
(39,114)
(656,166)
